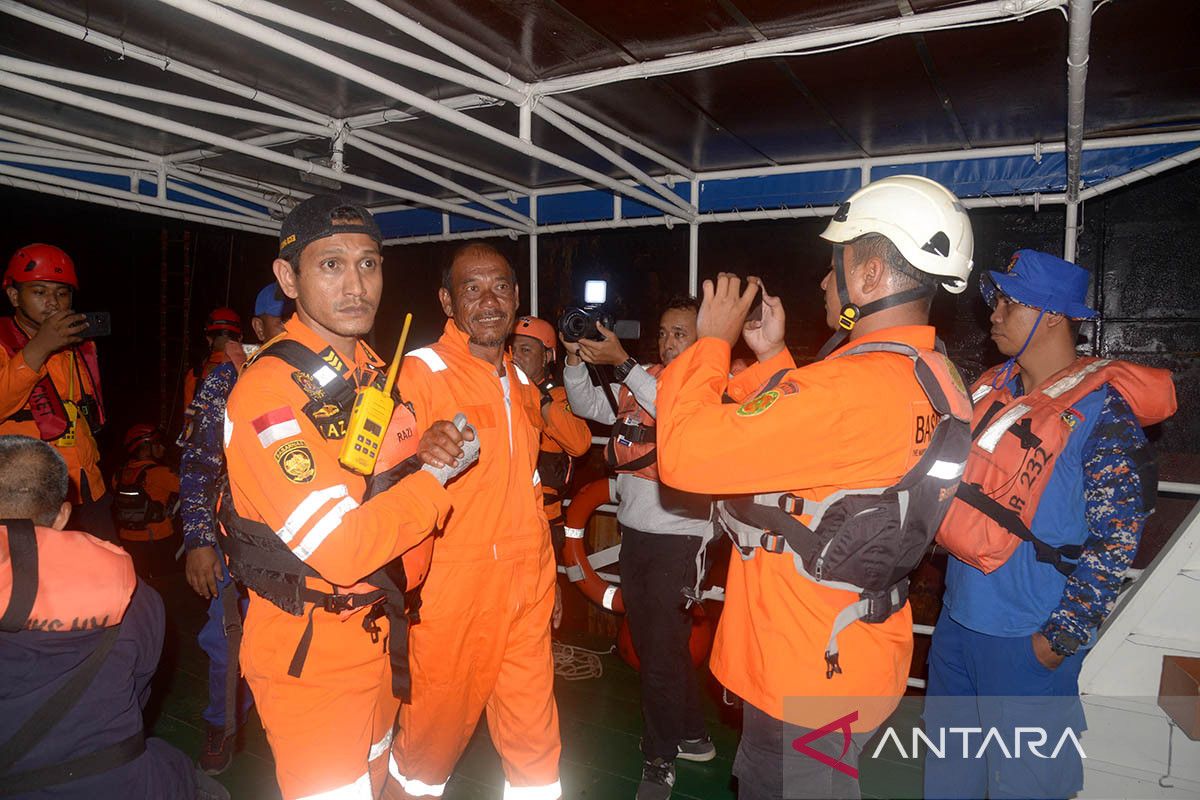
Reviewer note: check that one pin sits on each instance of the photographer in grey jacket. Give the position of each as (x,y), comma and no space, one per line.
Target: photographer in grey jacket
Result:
(664,533)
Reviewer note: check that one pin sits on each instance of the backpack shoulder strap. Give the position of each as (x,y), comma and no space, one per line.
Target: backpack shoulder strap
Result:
(23,555)
(54,709)
(339,390)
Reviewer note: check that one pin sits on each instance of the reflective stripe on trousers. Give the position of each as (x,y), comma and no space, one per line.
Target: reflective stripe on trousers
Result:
(412,786)
(549,791)
(359,790)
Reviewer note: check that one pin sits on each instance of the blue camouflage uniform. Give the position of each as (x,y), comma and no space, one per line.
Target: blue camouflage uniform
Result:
(201,476)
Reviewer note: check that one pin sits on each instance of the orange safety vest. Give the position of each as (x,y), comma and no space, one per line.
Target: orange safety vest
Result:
(61,580)
(45,406)
(1016,441)
(632,447)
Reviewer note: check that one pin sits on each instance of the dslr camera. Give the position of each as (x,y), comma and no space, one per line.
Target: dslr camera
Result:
(579,322)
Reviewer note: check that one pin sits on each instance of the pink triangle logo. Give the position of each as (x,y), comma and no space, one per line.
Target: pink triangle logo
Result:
(843,724)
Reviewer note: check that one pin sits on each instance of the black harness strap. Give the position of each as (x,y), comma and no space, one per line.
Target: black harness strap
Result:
(95,763)
(56,707)
(23,552)
(973,495)
(231,620)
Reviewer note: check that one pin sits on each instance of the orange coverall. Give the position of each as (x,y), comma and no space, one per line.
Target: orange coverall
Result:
(330,728)
(484,635)
(17,380)
(161,484)
(563,433)
(846,423)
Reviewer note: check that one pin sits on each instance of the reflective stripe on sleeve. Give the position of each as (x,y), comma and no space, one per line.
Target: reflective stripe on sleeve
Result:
(325,526)
(308,507)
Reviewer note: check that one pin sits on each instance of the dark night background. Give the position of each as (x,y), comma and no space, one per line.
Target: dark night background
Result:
(1140,242)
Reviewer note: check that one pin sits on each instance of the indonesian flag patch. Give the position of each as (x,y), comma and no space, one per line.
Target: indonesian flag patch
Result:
(275,426)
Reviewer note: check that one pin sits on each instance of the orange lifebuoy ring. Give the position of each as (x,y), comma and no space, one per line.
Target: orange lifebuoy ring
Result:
(579,569)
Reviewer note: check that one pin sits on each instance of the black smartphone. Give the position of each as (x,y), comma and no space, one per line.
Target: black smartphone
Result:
(99,323)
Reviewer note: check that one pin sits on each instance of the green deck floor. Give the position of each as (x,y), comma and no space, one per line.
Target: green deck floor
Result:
(600,723)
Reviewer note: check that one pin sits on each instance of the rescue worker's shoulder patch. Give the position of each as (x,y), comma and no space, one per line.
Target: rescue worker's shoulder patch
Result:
(757,405)
(296,461)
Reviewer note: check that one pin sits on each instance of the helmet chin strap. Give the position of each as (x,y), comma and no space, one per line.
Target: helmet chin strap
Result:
(851,314)
(1003,375)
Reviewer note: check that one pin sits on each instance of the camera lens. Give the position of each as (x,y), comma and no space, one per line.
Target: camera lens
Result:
(573,324)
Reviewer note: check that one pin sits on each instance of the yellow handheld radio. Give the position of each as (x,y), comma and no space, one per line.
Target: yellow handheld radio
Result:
(369,420)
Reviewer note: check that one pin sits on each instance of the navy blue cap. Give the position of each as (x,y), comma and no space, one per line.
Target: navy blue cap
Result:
(270,301)
(1041,281)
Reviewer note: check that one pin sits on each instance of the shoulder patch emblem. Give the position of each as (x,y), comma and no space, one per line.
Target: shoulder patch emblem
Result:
(296,461)
(757,405)
(308,385)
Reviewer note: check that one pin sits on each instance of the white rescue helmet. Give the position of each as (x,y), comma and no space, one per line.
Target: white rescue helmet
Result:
(926,222)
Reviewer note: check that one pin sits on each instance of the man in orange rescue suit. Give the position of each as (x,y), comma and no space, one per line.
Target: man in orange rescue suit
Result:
(483,639)
(565,436)
(298,533)
(801,653)
(49,377)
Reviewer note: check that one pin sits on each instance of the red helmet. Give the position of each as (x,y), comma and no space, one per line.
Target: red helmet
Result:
(538,329)
(139,434)
(40,262)
(223,320)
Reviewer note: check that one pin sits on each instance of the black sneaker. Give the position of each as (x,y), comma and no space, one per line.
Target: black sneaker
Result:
(217,754)
(701,749)
(658,779)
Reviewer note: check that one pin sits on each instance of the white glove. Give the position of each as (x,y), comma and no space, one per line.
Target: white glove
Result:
(470,454)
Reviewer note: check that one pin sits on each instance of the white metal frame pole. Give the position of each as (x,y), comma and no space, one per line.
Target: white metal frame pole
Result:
(126,50)
(87,102)
(1078,37)
(694,244)
(142,204)
(499,77)
(977,13)
(533,260)
(209,215)
(287,44)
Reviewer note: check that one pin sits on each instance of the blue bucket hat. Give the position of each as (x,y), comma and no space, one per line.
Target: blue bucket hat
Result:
(270,301)
(1041,281)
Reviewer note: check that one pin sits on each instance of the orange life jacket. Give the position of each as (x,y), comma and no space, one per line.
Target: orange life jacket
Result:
(1015,444)
(60,580)
(632,447)
(45,406)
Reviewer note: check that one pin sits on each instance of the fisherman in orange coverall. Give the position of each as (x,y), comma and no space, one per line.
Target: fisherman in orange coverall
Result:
(297,531)
(843,422)
(483,640)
